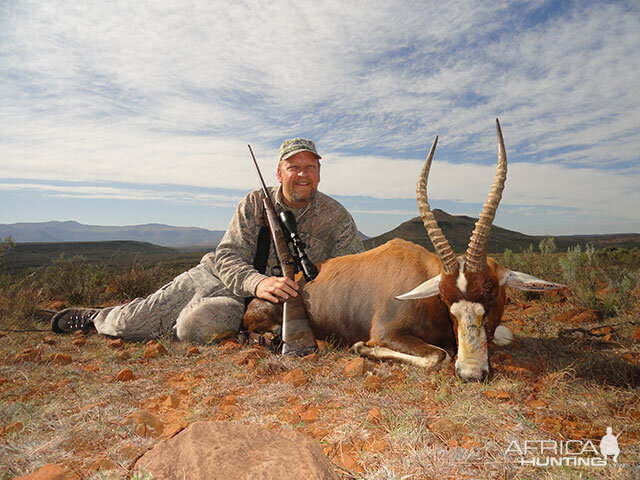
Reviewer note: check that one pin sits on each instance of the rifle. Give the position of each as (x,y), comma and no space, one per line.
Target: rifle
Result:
(297,336)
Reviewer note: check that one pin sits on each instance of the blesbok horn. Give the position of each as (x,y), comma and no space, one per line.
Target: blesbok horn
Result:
(476,255)
(440,243)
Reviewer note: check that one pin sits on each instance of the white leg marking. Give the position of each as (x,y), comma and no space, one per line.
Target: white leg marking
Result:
(432,362)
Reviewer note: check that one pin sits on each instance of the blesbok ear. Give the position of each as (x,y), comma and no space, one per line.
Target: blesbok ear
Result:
(430,288)
(523,281)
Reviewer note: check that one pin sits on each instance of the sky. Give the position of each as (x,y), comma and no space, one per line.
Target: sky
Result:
(123,113)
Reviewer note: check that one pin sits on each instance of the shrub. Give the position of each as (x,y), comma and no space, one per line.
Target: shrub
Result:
(5,245)
(71,279)
(136,282)
(18,300)
(597,284)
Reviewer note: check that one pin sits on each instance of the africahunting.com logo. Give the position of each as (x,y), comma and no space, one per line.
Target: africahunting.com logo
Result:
(576,453)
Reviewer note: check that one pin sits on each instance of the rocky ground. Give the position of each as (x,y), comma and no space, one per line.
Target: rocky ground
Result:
(92,405)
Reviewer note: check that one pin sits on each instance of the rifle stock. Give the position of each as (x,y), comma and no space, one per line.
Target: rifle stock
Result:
(297,336)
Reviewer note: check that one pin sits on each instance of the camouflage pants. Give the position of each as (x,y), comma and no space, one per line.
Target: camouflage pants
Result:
(196,305)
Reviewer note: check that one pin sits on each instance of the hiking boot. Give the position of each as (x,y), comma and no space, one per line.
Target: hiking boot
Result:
(72,319)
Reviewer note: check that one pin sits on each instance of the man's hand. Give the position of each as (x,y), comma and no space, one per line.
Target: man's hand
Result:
(275,289)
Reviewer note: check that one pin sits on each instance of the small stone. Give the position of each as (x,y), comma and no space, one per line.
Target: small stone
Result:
(311,358)
(147,423)
(311,415)
(537,403)
(172,401)
(91,368)
(60,359)
(154,350)
(444,426)
(124,375)
(228,345)
(349,462)
(229,400)
(323,347)
(28,355)
(50,471)
(372,383)
(193,351)
(117,343)
(376,446)
(578,316)
(123,355)
(49,340)
(296,377)
(209,400)
(355,368)
(13,427)
(374,415)
(497,395)
(79,341)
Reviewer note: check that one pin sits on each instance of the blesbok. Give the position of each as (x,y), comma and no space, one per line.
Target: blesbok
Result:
(359,299)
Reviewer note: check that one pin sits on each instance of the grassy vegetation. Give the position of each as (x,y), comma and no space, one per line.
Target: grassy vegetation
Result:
(394,422)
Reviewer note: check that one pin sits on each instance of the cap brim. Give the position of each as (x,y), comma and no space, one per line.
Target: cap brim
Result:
(291,154)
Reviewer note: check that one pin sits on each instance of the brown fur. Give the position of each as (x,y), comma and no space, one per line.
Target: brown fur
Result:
(353,300)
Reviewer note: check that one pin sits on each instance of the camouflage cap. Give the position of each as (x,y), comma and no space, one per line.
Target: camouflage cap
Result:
(295,145)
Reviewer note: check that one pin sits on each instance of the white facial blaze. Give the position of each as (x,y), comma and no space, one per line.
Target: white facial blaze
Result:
(473,355)
(461,283)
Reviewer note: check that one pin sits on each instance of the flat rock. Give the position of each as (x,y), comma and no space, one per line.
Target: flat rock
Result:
(226,451)
(296,377)
(124,375)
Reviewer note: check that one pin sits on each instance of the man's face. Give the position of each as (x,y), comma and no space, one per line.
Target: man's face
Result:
(299,176)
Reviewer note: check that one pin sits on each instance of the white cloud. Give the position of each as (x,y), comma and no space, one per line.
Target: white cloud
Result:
(113,193)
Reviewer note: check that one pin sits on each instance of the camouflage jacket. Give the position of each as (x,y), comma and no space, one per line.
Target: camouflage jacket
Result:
(324,225)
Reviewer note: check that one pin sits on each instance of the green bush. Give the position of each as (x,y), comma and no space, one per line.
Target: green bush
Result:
(136,282)
(72,279)
(5,245)
(18,300)
(596,283)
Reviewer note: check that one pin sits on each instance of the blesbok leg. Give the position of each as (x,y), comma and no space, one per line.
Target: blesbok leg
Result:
(404,348)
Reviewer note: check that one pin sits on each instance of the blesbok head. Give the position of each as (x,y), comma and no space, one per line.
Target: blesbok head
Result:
(471,285)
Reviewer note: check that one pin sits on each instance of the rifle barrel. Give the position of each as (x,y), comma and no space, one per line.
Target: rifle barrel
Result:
(264,185)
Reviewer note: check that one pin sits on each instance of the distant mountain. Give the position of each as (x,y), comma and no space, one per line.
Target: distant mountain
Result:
(458,229)
(158,234)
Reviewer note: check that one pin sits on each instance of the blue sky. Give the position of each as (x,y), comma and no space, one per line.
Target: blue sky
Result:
(119,113)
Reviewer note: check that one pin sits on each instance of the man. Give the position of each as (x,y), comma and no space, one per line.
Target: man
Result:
(207,302)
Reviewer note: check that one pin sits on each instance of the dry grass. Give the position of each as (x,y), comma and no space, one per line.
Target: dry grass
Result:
(542,387)
(395,422)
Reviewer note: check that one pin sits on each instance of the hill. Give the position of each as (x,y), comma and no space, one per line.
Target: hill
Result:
(158,234)
(458,229)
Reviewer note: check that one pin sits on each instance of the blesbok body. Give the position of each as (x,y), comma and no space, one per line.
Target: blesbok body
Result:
(360,299)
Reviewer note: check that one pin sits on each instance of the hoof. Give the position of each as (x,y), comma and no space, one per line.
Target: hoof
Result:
(357,347)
